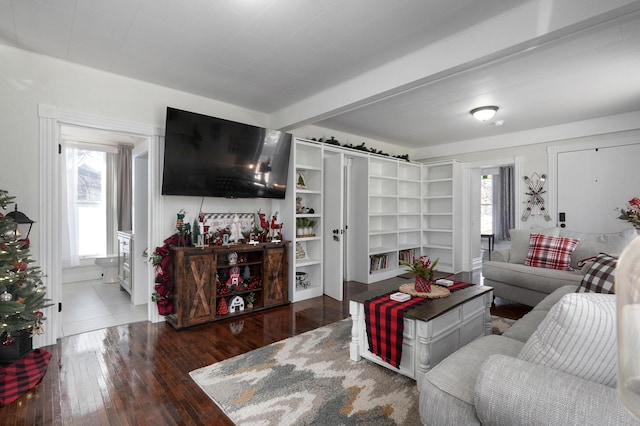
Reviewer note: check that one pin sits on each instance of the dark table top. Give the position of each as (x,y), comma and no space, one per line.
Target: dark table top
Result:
(429,310)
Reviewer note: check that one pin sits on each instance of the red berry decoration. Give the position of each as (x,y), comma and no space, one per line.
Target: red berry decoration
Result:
(8,341)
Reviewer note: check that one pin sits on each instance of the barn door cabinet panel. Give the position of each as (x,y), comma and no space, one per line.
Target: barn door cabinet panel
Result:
(219,282)
(197,297)
(276,271)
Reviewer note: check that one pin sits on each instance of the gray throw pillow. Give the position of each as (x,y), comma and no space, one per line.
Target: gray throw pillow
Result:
(520,241)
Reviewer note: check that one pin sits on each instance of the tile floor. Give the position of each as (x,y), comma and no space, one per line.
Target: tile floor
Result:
(92,305)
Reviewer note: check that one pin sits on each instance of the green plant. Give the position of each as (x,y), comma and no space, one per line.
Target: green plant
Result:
(422,267)
(22,292)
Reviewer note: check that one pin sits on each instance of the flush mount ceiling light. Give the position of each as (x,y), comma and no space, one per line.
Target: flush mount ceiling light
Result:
(484,113)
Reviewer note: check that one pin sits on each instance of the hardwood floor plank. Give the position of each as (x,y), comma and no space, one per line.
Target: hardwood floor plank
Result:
(138,374)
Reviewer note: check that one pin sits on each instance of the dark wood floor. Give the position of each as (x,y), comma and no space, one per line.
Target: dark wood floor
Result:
(137,374)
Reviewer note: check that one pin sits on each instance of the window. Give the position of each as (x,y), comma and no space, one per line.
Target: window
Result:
(486,204)
(91,199)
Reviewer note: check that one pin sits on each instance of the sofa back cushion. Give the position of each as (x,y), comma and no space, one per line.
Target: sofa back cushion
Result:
(592,244)
(578,336)
(550,252)
(520,241)
(600,277)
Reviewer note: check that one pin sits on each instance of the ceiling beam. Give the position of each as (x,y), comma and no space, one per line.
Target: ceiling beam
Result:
(520,29)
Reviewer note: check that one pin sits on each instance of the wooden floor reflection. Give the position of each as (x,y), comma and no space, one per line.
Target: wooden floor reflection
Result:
(137,374)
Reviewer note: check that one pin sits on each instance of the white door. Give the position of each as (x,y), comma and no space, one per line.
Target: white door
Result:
(593,183)
(333,228)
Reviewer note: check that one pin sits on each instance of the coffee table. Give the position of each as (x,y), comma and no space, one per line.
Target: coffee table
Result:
(432,331)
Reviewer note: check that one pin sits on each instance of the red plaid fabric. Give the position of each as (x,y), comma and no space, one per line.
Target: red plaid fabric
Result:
(384,321)
(17,378)
(550,252)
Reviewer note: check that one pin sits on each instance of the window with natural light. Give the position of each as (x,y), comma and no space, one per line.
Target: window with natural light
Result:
(486,205)
(92,202)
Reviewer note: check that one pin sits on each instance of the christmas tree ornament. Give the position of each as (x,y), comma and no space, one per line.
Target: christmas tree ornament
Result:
(223,309)
(8,340)
(6,297)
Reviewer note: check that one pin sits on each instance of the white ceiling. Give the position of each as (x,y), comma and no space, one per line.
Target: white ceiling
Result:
(402,71)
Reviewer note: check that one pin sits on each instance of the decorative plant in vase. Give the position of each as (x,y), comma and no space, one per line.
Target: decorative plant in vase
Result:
(632,212)
(250,298)
(424,271)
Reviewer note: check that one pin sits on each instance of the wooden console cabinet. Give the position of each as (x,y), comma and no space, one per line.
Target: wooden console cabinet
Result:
(202,277)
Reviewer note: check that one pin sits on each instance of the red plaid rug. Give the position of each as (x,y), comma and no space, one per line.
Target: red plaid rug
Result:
(384,319)
(17,378)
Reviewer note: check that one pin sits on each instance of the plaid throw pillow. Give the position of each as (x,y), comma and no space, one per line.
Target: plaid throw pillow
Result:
(550,252)
(601,275)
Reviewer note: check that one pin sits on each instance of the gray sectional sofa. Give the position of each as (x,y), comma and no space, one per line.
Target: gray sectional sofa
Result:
(511,279)
(516,379)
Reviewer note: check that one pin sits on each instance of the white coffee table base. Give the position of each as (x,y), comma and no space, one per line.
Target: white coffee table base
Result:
(426,343)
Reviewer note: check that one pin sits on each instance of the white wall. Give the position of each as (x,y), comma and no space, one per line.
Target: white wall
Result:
(535,159)
(28,79)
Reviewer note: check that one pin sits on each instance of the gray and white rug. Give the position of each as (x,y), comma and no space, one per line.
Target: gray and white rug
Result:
(309,380)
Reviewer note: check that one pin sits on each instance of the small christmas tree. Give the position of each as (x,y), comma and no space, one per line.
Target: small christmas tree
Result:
(22,292)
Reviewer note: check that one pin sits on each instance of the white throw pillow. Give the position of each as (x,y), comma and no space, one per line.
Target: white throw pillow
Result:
(578,336)
(520,241)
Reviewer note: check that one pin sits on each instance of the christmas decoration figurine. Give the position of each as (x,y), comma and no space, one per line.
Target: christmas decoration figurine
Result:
(22,292)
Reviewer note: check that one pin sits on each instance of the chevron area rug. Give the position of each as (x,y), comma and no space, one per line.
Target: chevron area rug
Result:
(309,380)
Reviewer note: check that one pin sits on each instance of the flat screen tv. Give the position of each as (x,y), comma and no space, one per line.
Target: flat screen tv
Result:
(212,157)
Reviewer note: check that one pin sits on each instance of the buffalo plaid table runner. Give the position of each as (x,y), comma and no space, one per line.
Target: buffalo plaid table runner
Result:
(384,319)
(18,377)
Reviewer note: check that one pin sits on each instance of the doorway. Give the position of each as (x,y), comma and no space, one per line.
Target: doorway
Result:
(497,208)
(91,302)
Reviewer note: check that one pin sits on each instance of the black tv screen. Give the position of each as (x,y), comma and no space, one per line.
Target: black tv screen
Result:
(213,157)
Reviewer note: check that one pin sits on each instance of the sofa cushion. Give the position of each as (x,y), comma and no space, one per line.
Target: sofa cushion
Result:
(592,244)
(550,252)
(600,276)
(520,241)
(578,336)
(542,279)
(448,389)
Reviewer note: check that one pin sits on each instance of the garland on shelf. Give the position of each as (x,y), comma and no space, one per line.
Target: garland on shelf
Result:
(361,147)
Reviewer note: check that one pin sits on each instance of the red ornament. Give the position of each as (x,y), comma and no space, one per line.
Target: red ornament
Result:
(223,309)
(25,243)
(39,314)
(20,266)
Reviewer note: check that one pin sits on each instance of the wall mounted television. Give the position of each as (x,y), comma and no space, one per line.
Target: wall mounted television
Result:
(212,157)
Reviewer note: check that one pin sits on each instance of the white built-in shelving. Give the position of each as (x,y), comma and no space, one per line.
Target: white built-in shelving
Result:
(412,209)
(307,200)
(394,216)
(441,214)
